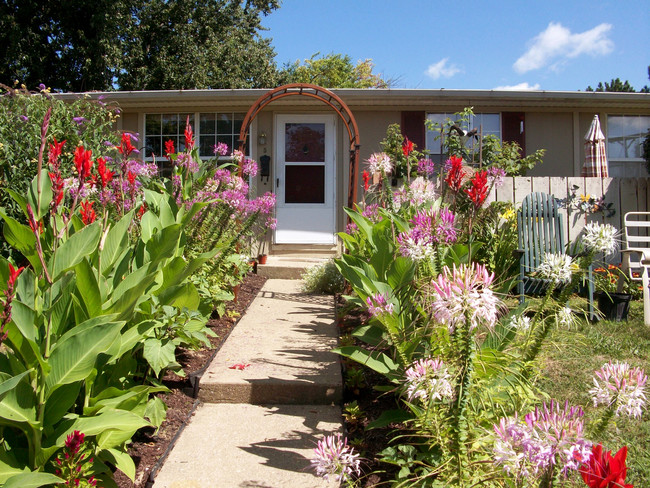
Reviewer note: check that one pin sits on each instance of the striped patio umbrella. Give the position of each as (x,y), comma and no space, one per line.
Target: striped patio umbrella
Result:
(595,156)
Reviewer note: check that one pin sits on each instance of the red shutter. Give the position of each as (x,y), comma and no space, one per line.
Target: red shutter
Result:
(513,129)
(413,128)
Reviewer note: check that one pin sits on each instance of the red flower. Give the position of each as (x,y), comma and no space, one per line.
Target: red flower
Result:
(604,470)
(366,180)
(131,177)
(55,152)
(169,147)
(88,215)
(13,276)
(105,175)
(407,147)
(479,189)
(126,148)
(73,441)
(83,162)
(189,135)
(143,209)
(31,219)
(57,188)
(455,173)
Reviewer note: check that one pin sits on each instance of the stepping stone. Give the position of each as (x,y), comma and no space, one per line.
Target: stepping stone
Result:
(252,446)
(283,346)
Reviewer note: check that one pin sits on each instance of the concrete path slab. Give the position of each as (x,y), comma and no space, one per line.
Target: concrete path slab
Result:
(285,339)
(249,446)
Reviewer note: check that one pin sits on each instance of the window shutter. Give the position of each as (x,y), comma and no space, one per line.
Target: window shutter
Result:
(513,129)
(413,128)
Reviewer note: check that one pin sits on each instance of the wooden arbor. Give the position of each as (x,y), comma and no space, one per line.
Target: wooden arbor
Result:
(325,96)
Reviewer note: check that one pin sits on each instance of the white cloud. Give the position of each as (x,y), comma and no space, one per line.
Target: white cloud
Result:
(558,43)
(440,69)
(519,87)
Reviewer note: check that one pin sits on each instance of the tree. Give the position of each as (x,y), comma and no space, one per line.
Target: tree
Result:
(616,85)
(79,45)
(333,71)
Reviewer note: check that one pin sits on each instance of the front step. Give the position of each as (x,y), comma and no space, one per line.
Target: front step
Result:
(234,446)
(289,266)
(286,339)
(324,250)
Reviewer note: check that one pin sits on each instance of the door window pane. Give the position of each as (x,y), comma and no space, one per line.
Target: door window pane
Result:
(304,143)
(304,184)
(625,136)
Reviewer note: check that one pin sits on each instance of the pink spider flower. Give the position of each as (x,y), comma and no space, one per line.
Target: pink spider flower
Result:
(334,457)
(620,385)
(464,293)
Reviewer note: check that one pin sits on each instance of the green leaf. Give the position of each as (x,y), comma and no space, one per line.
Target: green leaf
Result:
(107,420)
(9,466)
(73,359)
(156,411)
(159,356)
(122,461)
(25,320)
(21,238)
(18,404)
(116,242)
(7,385)
(148,224)
(88,288)
(19,199)
(389,417)
(181,296)
(164,244)
(375,360)
(78,246)
(32,480)
(45,195)
(400,273)
(135,334)
(60,402)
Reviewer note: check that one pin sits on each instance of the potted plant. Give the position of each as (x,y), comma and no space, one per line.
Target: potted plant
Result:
(612,304)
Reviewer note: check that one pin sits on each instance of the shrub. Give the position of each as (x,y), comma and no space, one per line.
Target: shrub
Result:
(323,278)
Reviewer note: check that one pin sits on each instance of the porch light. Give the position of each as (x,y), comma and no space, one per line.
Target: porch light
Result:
(261,139)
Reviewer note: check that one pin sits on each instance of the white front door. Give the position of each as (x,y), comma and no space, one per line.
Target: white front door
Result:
(304,179)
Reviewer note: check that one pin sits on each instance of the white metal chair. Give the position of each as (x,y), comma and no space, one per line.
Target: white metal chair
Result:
(637,246)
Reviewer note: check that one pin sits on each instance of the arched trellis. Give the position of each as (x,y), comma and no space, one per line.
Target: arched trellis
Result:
(324,95)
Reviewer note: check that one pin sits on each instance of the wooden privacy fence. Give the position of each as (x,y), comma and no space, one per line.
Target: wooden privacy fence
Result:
(625,195)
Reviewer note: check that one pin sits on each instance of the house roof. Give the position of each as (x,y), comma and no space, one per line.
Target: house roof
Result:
(422,99)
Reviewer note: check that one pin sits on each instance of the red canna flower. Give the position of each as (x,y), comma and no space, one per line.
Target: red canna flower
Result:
(126,147)
(57,189)
(189,135)
(105,174)
(143,209)
(407,147)
(131,177)
(366,180)
(31,219)
(83,162)
(455,173)
(13,276)
(604,470)
(169,148)
(479,188)
(88,215)
(55,152)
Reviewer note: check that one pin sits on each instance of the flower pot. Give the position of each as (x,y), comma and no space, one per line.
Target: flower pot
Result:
(253,265)
(261,258)
(614,306)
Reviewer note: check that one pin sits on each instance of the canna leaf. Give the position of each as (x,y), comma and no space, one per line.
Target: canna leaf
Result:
(32,480)
(77,247)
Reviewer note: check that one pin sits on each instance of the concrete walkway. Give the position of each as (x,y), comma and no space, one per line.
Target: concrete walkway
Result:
(257,426)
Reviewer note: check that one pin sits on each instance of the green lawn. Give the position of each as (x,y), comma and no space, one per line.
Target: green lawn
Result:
(568,362)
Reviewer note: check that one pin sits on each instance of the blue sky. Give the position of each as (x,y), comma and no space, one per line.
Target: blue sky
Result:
(468,44)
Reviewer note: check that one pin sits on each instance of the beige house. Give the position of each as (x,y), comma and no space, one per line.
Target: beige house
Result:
(304,141)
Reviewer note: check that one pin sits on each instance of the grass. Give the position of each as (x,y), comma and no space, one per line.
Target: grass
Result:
(568,362)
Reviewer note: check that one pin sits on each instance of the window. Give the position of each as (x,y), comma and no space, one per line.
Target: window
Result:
(625,134)
(487,123)
(211,129)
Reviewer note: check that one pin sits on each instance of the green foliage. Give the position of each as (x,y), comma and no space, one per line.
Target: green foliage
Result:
(333,71)
(77,46)
(323,278)
(489,151)
(615,85)
(646,150)
(81,121)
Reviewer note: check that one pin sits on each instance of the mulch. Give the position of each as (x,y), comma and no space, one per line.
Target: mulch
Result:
(148,446)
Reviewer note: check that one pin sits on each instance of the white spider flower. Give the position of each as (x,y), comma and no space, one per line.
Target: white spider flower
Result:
(618,384)
(333,456)
(600,238)
(428,379)
(380,162)
(558,268)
